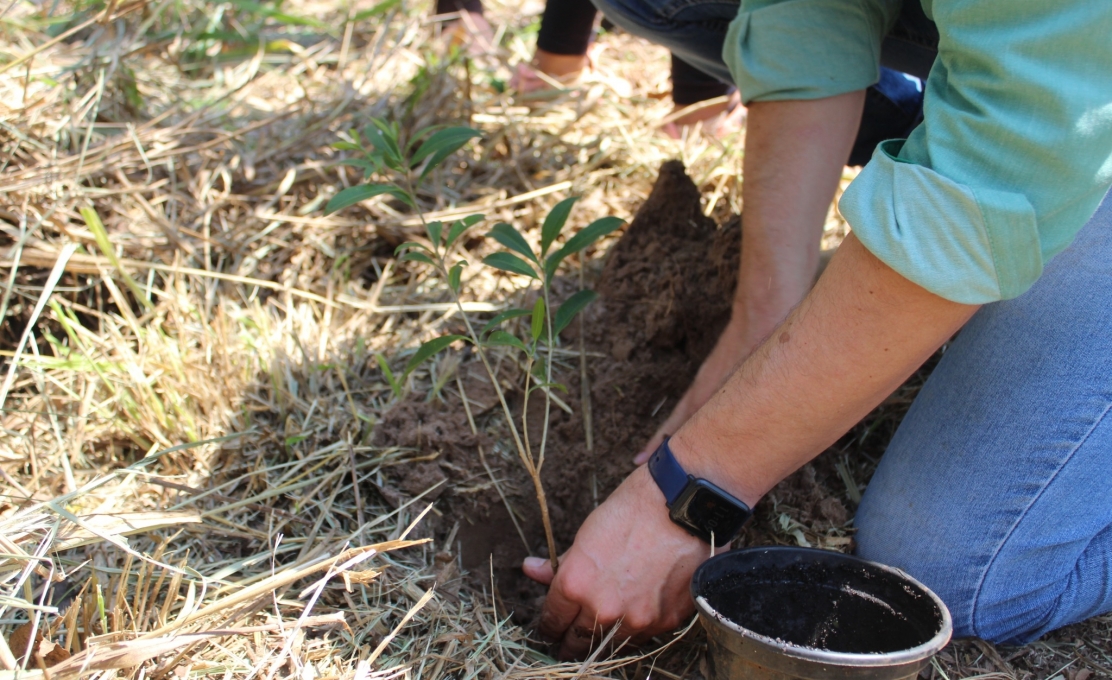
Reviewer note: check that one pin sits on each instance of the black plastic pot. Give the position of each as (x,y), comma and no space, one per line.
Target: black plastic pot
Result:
(779,613)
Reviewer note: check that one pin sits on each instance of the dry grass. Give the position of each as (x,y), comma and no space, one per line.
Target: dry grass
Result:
(190,391)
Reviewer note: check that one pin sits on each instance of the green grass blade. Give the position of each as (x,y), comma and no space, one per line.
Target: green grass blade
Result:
(92,220)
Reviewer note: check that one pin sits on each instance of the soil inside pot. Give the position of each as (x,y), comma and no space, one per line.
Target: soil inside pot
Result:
(840,608)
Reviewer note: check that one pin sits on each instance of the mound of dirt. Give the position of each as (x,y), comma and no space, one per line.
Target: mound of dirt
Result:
(665,294)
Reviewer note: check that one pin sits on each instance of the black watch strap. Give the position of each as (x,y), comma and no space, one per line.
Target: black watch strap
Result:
(697,505)
(668,473)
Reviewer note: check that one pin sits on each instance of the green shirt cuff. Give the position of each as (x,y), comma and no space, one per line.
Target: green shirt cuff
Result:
(805,49)
(968,244)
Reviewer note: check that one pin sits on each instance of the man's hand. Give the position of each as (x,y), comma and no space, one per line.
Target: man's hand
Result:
(629,563)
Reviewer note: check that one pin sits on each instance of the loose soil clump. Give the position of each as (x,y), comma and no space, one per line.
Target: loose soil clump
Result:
(664,296)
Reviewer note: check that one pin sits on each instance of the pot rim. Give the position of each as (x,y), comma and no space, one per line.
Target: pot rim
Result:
(904,656)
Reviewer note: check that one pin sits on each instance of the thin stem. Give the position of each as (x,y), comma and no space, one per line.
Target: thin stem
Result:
(534,473)
(525,415)
(547,376)
(443,271)
(544,430)
(522,446)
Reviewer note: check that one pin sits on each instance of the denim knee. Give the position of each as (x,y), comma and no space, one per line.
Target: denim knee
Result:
(882,537)
(979,608)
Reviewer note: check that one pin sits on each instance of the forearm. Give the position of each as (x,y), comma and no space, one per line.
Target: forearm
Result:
(852,341)
(794,157)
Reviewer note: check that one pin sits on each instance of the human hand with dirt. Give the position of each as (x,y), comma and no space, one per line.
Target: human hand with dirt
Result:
(629,565)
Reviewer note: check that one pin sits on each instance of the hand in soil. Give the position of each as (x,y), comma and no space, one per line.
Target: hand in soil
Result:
(629,564)
(733,346)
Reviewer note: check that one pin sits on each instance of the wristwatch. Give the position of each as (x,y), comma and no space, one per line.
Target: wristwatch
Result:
(701,508)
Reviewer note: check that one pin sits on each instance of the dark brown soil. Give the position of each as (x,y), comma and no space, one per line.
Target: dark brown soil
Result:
(665,292)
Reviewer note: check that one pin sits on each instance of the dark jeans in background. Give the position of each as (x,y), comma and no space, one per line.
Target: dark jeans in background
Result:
(695,31)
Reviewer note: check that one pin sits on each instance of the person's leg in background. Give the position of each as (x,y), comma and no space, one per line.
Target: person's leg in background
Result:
(449,6)
(471,28)
(996,491)
(563,44)
(691,87)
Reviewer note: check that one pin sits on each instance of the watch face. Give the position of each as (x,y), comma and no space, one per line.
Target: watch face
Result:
(705,510)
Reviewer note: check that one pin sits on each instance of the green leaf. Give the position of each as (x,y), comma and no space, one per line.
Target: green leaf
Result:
(582,239)
(554,222)
(369,167)
(429,349)
(454,274)
(413,256)
(359,163)
(512,239)
(345,146)
(404,198)
(509,263)
(395,386)
(570,308)
(434,230)
(362,192)
(540,385)
(381,8)
(591,233)
(416,138)
(537,326)
(440,145)
(411,244)
(505,339)
(385,139)
(503,317)
(460,226)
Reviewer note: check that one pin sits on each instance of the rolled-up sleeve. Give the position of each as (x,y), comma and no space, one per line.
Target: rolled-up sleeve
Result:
(1013,157)
(806,49)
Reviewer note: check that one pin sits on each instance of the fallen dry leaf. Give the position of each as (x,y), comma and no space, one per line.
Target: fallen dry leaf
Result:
(20,640)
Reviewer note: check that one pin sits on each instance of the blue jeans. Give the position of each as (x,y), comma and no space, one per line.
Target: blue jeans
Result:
(695,31)
(996,491)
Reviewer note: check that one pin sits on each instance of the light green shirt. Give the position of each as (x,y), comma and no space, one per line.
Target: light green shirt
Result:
(1015,151)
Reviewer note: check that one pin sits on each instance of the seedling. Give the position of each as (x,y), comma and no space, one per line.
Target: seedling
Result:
(380,153)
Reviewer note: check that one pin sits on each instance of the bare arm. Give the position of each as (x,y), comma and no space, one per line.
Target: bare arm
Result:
(794,155)
(859,334)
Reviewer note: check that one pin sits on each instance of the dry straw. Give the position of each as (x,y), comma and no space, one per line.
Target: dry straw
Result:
(190,350)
